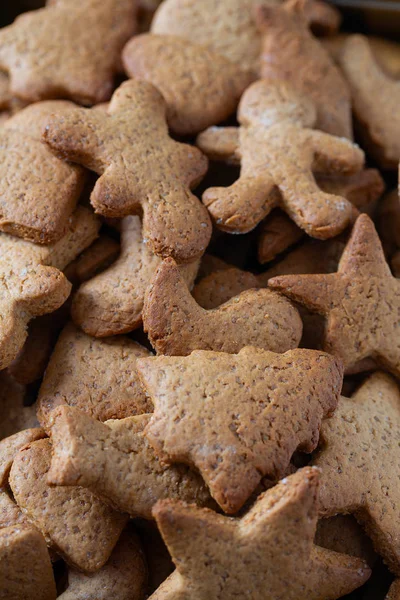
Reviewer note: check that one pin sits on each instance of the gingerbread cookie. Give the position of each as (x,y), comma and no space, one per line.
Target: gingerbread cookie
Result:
(25,567)
(379,121)
(176,324)
(141,167)
(83,66)
(81,528)
(278,232)
(311,257)
(112,302)
(10,514)
(124,574)
(32,283)
(97,376)
(277,173)
(122,467)
(201,88)
(101,254)
(32,360)
(266,553)
(10,446)
(386,52)
(361,440)
(291,53)
(233,417)
(359,323)
(228,27)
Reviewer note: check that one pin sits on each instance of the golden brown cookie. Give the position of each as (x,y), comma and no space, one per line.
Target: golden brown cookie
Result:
(81,528)
(386,52)
(359,459)
(201,88)
(378,118)
(222,284)
(112,302)
(228,27)
(141,167)
(361,302)
(362,189)
(177,325)
(38,190)
(268,553)
(291,53)
(97,376)
(116,462)
(25,567)
(10,514)
(279,152)
(10,446)
(14,415)
(278,232)
(32,360)
(32,283)
(100,255)
(82,65)
(123,577)
(240,417)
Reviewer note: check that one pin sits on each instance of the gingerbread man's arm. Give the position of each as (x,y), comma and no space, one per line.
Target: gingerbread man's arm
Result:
(220,144)
(334,155)
(72,135)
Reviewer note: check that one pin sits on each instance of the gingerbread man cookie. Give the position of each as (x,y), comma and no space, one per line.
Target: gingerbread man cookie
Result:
(291,53)
(279,151)
(141,167)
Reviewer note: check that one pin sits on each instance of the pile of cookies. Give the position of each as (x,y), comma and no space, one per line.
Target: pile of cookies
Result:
(188,414)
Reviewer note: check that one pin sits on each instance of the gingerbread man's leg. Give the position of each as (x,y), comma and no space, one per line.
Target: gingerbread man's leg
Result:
(319,214)
(240,207)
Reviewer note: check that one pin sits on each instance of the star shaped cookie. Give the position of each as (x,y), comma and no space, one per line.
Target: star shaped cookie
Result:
(237,418)
(361,301)
(359,461)
(269,553)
